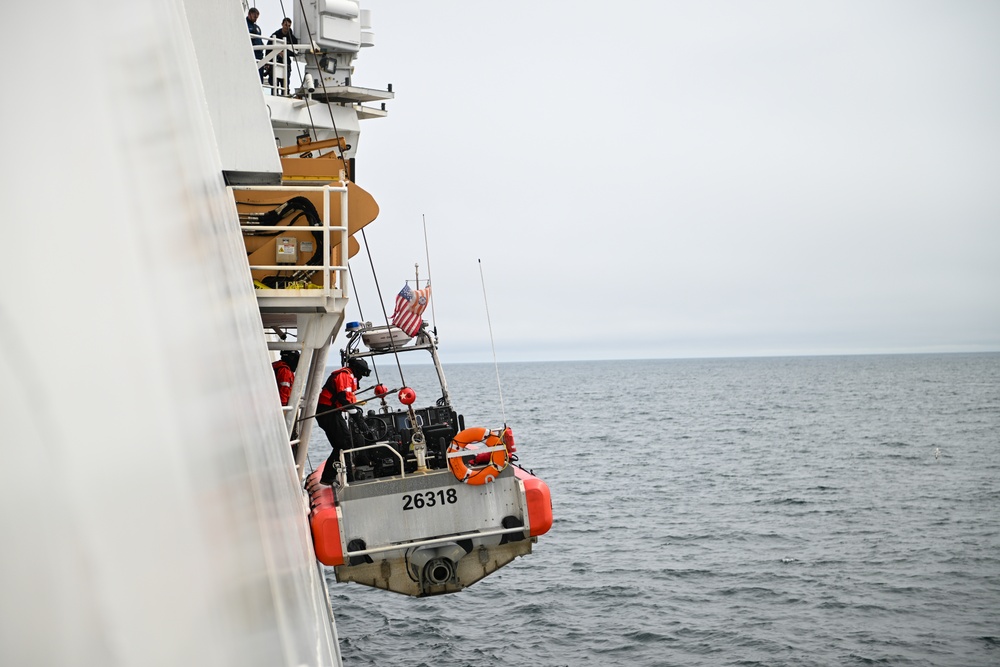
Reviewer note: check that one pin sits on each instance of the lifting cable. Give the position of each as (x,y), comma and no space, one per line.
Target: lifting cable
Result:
(326,94)
(385,315)
(288,57)
(357,299)
(336,132)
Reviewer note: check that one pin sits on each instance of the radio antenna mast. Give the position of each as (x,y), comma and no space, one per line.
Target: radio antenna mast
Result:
(496,367)
(427,255)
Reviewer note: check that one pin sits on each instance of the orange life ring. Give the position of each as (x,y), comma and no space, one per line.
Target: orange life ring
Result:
(475,476)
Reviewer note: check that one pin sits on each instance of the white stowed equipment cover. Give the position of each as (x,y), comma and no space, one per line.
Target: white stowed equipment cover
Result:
(383,338)
(339,23)
(150,511)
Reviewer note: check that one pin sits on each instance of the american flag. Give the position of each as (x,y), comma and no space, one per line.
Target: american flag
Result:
(410,305)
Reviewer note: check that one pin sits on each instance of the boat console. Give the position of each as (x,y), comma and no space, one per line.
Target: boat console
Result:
(387,433)
(395,431)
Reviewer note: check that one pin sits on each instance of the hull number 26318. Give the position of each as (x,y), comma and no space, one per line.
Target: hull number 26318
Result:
(429,499)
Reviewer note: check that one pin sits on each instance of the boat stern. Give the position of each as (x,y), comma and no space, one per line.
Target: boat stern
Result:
(426,534)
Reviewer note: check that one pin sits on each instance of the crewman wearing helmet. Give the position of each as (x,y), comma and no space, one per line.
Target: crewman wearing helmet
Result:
(284,373)
(338,392)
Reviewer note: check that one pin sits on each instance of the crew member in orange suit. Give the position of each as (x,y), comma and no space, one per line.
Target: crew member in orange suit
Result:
(337,393)
(284,373)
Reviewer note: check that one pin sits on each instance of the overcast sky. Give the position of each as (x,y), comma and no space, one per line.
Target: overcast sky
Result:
(697,179)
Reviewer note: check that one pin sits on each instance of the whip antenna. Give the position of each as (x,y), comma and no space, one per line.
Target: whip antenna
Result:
(490,324)
(427,254)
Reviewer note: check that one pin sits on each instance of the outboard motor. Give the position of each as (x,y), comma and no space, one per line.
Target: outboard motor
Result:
(436,567)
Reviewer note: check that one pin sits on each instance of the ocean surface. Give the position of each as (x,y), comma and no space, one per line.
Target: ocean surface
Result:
(769,511)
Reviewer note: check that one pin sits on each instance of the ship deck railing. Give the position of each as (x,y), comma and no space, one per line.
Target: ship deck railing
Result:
(273,48)
(331,295)
(343,92)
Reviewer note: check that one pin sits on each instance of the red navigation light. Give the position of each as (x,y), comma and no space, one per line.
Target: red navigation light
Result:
(407,396)
(381,390)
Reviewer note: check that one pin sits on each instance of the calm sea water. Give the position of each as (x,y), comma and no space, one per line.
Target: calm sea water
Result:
(781,511)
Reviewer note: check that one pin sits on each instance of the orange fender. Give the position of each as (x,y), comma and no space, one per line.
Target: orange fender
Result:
(324,520)
(494,466)
(539,502)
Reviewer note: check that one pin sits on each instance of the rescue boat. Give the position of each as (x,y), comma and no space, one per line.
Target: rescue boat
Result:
(425,506)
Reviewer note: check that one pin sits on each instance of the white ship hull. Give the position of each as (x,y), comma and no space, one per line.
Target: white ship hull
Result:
(151,512)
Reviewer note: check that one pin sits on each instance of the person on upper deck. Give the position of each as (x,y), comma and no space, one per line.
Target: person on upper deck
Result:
(254,29)
(285,33)
(338,392)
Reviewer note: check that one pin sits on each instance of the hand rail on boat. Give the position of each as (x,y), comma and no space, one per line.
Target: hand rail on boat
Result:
(438,540)
(343,276)
(384,445)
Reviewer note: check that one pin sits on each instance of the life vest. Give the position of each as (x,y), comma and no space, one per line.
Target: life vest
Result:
(341,381)
(284,376)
